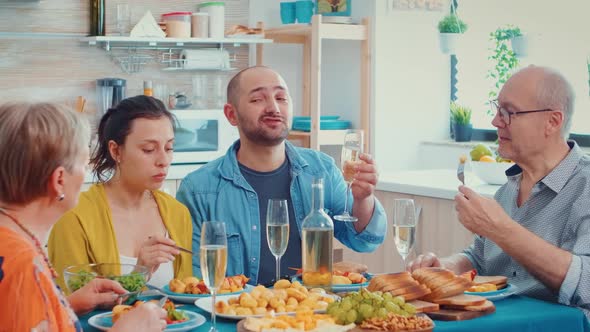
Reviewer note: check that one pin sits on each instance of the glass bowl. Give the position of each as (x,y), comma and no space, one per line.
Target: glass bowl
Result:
(132,277)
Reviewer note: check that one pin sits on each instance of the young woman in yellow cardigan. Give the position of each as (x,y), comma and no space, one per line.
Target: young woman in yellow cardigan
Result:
(124,218)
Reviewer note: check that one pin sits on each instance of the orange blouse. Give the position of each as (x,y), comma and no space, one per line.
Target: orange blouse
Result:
(30,298)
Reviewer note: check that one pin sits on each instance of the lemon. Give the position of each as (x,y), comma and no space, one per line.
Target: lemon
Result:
(487,159)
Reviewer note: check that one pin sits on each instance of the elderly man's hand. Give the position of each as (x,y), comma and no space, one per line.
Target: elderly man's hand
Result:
(480,215)
(428,260)
(365,178)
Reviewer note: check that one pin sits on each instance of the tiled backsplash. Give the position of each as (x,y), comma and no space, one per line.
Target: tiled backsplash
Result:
(38,64)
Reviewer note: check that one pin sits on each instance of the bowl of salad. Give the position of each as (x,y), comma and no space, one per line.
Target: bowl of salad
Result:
(132,277)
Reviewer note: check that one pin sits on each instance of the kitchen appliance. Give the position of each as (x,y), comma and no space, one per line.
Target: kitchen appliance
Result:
(109,92)
(201,136)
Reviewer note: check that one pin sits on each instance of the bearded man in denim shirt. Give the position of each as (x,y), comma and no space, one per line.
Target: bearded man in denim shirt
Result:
(262,165)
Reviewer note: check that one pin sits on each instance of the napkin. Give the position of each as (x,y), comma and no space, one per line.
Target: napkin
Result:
(147,27)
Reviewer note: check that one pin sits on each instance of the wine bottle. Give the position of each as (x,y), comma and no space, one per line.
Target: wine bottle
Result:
(97,17)
(318,234)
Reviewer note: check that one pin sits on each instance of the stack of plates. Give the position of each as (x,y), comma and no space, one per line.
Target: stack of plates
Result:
(327,122)
(337,19)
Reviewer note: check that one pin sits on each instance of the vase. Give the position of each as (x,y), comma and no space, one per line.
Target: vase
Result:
(520,45)
(462,132)
(448,42)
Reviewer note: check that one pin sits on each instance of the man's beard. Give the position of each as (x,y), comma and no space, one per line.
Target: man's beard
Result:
(261,137)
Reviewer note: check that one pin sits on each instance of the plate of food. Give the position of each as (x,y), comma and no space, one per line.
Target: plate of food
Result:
(490,292)
(346,281)
(494,288)
(285,298)
(178,320)
(312,322)
(346,277)
(190,289)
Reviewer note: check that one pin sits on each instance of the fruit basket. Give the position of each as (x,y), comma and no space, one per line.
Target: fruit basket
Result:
(491,172)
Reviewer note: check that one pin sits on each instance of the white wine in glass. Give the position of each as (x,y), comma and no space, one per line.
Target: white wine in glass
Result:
(277,230)
(213,255)
(404,226)
(351,150)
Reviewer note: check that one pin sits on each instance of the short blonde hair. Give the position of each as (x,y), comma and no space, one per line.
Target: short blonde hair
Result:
(35,139)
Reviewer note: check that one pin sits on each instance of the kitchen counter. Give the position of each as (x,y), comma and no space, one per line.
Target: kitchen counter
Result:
(175,172)
(437,183)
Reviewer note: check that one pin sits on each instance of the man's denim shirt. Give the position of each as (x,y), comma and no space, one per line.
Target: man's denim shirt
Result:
(218,191)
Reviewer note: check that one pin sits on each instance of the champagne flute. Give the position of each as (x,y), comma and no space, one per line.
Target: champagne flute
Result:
(277,230)
(213,259)
(351,150)
(404,226)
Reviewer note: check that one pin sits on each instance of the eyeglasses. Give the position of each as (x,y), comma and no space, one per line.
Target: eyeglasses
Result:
(506,115)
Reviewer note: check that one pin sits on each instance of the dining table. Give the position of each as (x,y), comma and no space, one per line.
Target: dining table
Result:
(515,313)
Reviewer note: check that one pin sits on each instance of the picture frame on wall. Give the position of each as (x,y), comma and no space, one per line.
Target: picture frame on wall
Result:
(334,7)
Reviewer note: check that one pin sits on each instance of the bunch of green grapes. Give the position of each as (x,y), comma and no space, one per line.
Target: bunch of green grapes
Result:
(355,307)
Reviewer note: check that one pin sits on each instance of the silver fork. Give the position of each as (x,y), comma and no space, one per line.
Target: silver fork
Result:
(461,169)
(162,301)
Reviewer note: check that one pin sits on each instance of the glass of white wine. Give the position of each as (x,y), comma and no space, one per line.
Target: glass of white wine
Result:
(213,254)
(277,230)
(351,150)
(404,226)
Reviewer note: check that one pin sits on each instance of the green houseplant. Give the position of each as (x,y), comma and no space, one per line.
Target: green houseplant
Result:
(505,60)
(518,41)
(450,28)
(461,122)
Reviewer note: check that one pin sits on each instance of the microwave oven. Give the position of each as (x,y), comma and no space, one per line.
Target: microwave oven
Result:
(201,136)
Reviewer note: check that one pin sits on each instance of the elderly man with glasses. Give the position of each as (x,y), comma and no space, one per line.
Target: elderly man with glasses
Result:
(537,230)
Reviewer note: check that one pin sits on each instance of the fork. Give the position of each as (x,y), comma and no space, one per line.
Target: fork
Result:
(461,169)
(162,301)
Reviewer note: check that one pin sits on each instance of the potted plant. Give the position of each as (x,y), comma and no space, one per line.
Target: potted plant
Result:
(450,28)
(518,41)
(505,57)
(461,122)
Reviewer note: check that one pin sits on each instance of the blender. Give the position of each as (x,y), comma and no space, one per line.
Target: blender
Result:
(109,92)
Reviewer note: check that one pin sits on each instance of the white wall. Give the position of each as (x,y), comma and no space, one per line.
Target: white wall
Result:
(412,86)
(411,78)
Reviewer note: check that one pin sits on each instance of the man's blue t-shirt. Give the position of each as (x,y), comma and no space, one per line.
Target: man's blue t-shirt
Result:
(274,185)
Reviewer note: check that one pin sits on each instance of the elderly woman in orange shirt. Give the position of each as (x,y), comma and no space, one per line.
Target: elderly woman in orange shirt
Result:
(44,151)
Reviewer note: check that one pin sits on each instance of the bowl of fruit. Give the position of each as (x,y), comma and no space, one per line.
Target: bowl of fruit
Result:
(488,166)
(132,277)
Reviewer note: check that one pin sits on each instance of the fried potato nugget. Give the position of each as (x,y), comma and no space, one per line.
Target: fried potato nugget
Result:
(283,283)
(297,294)
(177,286)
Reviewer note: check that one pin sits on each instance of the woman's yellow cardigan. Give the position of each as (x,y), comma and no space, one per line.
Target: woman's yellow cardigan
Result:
(86,235)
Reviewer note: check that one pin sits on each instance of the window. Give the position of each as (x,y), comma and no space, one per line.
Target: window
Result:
(559,37)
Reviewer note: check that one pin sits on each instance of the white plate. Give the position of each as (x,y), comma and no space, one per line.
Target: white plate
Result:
(346,288)
(206,305)
(190,298)
(498,295)
(104,322)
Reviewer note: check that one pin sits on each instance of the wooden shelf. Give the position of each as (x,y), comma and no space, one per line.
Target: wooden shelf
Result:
(326,137)
(153,42)
(311,36)
(297,33)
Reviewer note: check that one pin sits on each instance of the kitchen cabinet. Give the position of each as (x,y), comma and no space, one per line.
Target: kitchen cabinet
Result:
(311,38)
(438,231)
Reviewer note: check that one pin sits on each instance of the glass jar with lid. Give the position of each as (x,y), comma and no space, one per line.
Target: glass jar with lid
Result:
(178,24)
